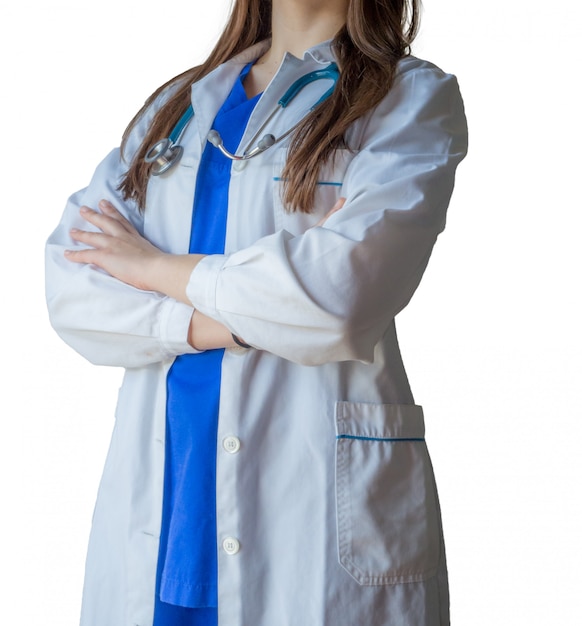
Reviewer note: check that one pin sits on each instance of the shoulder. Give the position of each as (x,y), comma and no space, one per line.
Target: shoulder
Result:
(423,86)
(410,66)
(419,84)
(423,108)
(422,80)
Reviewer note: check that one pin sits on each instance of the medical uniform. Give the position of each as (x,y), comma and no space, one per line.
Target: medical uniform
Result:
(326,507)
(187,560)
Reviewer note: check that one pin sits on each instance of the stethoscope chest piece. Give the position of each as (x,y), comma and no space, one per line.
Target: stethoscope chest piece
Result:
(163,155)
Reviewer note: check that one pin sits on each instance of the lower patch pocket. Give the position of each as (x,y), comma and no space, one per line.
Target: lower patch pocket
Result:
(387,512)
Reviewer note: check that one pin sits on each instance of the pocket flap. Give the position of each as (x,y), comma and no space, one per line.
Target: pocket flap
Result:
(361,420)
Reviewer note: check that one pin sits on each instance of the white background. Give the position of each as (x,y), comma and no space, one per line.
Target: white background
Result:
(491,340)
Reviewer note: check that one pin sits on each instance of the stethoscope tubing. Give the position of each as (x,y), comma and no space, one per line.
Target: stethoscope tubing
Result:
(164,154)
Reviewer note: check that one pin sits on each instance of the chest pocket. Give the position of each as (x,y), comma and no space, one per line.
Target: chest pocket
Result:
(329,189)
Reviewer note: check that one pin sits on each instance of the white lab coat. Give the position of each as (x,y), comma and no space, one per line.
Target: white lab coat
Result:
(330,495)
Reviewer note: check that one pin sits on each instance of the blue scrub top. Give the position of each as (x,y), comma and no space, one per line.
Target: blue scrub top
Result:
(186,593)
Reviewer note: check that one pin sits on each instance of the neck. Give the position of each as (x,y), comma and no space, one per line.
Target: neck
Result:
(297,25)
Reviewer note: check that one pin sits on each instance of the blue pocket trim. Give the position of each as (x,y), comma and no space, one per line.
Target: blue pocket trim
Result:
(380,438)
(319,182)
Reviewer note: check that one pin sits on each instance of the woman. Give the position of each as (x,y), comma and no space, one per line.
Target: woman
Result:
(286,483)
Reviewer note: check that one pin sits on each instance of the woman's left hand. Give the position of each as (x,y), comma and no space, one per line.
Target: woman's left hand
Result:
(121,251)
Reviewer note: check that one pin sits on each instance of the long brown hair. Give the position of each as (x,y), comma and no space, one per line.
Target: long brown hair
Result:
(376,35)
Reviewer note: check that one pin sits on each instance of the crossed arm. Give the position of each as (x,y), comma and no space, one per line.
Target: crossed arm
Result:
(120,250)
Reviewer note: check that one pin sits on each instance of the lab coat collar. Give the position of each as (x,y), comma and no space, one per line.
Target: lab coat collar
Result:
(210,92)
(321,53)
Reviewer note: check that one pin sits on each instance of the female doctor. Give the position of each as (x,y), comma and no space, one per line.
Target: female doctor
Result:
(268,464)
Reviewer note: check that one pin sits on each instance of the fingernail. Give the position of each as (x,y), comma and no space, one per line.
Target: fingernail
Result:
(74,230)
(84,209)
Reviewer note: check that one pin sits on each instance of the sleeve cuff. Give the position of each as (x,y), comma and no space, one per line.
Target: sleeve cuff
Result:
(174,326)
(201,288)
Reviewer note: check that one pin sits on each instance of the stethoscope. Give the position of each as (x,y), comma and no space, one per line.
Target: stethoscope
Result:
(167,152)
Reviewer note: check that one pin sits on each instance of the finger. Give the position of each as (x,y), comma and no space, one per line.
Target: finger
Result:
(105,223)
(336,207)
(110,210)
(95,240)
(87,256)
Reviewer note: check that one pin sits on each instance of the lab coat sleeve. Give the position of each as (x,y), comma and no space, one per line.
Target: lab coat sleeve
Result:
(330,293)
(102,318)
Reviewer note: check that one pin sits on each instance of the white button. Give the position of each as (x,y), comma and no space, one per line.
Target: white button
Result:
(231,444)
(231,545)
(237,166)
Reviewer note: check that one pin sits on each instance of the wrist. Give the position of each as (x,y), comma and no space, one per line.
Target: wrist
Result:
(205,333)
(169,274)
(157,270)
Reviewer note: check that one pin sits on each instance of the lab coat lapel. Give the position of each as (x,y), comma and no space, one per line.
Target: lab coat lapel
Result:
(173,193)
(210,92)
